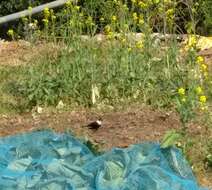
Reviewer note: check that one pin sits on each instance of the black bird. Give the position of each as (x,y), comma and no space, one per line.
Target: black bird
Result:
(95,124)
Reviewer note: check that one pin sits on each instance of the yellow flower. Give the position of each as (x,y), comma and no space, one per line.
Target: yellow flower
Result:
(123,40)
(170,14)
(139,45)
(35,21)
(68,4)
(200,60)
(116,2)
(202,99)
(114,18)
(45,21)
(135,16)
(179,144)
(192,41)
(32,26)
(107,29)
(199,90)
(10,32)
(110,35)
(77,8)
(181,91)
(142,5)
(141,20)
(125,7)
(183,99)
(46,12)
(204,67)
(102,19)
(89,21)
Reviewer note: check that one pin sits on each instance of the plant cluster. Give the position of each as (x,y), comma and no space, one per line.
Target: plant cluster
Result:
(122,68)
(163,15)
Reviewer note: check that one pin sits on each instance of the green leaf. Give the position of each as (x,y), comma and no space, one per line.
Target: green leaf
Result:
(170,139)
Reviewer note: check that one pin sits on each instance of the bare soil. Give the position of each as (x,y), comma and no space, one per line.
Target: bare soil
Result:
(120,128)
(21,52)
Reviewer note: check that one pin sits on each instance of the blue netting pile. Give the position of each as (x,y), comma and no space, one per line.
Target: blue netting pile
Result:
(44,160)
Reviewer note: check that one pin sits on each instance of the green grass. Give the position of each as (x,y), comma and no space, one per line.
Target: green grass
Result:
(118,74)
(8,101)
(148,75)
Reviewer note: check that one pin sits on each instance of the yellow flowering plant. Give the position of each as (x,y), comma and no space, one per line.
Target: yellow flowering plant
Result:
(139,45)
(68,4)
(181,91)
(200,60)
(202,99)
(135,16)
(10,33)
(45,21)
(77,8)
(46,13)
(141,20)
(189,101)
(113,18)
(199,90)
(192,41)
(102,19)
(142,5)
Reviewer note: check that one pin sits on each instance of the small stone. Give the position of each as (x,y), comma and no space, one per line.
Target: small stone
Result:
(39,109)
(60,105)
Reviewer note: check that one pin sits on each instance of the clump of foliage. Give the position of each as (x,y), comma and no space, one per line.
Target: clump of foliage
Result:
(182,15)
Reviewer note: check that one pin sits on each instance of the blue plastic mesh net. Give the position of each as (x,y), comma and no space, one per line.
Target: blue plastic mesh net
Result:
(44,160)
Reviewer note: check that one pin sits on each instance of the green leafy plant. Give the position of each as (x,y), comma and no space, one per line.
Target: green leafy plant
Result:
(209,154)
(171,138)
(170,16)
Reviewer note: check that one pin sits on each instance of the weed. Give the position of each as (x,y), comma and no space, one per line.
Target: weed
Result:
(123,67)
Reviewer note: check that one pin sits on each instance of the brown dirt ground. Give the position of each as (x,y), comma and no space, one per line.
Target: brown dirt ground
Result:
(22,52)
(120,128)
